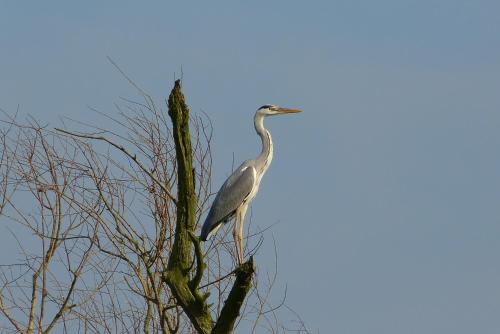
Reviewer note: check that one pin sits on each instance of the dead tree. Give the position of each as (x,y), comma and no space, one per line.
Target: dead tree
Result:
(110,228)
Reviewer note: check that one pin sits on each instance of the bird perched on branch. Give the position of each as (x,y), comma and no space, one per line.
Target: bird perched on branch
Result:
(241,187)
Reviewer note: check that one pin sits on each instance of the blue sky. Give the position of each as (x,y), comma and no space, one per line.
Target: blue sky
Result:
(386,189)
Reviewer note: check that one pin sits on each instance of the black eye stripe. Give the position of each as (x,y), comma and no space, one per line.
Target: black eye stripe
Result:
(266,106)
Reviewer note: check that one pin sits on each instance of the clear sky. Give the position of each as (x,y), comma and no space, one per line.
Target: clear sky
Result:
(386,189)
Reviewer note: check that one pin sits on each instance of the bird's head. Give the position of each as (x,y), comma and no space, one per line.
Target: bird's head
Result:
(271,110)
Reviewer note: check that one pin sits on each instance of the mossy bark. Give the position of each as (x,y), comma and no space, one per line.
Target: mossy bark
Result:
(186,196)
(231,310)
(177,274)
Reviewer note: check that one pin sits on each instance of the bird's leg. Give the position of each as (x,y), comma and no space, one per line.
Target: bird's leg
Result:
(242,213)
(235,236)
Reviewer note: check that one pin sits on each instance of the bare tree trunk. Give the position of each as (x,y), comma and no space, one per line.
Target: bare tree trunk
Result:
(180,261)
(177,276)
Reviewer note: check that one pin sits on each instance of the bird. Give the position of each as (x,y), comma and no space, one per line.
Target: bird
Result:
(242,185)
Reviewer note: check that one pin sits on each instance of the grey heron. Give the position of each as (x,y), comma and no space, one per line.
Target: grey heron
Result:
(241,187)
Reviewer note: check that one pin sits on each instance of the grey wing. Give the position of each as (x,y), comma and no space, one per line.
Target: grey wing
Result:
(230,196)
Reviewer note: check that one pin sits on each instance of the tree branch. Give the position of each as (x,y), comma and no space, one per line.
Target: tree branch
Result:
(127,153)
(200,266)
(6,313)
(231,310)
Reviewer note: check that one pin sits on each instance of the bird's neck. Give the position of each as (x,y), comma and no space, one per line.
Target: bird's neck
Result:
(266,155)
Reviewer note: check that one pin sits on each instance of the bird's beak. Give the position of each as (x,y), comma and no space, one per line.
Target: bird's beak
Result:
(288,111)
